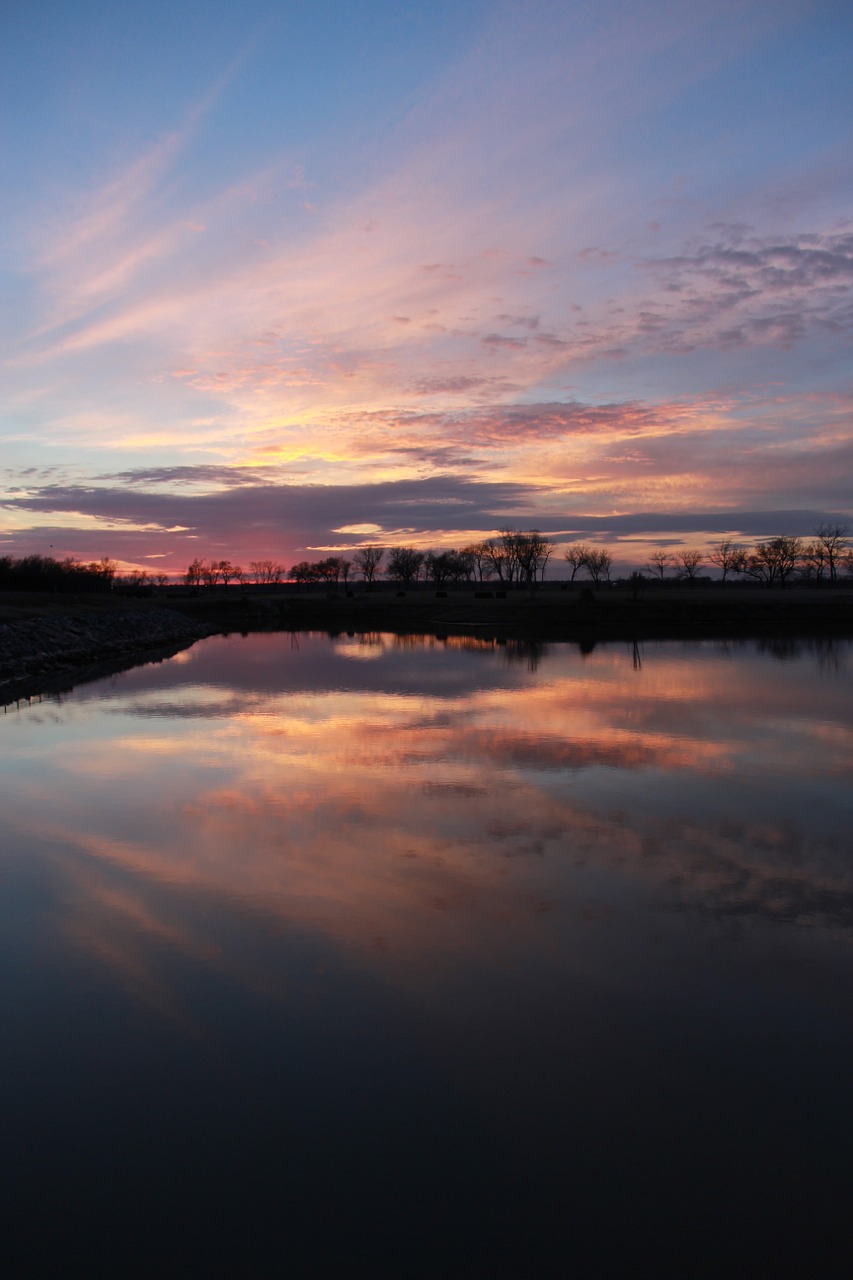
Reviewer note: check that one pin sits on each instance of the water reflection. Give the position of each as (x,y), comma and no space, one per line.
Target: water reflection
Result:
(540,883)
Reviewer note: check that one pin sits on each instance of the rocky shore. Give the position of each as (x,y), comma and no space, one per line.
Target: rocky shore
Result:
(40,654)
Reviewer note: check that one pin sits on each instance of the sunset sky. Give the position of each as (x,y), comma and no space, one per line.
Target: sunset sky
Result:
(280,279)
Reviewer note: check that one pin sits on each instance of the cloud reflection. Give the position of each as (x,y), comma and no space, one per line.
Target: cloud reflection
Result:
(412,830)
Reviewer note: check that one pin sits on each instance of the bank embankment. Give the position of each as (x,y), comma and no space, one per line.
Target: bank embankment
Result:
(53,651)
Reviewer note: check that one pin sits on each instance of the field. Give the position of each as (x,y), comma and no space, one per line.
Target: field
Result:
(554,611)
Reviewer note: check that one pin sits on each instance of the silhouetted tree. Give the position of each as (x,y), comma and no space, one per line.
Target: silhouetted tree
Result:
(404,565)
(135,583)
(479,558)
(496,558)
(575,556)
(438,567)
(463,567)
(226,571)
(328,570)
(690,562)
(105,569)
(368,560)
(262,570)
(728,556)
(814,564)
(533,551)
(194,573)
(598,565)
(303,573)
(517,555)
(775,559)
(832,540)
(659,562)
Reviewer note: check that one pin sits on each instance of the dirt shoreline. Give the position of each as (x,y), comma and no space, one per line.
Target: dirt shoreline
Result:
(49,643)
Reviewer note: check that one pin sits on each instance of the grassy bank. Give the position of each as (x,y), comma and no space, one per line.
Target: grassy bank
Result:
(671,611)
(551,613)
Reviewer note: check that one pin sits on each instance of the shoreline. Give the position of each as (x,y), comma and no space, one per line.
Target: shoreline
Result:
(53,651)
(50,643)
(552,613)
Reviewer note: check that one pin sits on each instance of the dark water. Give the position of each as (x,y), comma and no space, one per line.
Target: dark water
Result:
(430,958)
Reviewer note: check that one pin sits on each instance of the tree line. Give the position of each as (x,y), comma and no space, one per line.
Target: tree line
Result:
(820,559)
(46,573)
(513,556)
(518,556)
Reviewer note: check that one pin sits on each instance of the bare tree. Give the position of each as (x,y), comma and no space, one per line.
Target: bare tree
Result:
(533,551)
(496,558)
(598,565)
(463,567)
(510,540)
(439,567)
(659,562)
(329,570)
(690,561)
(194,573)
(775,559)
(265,571)
(832,539)
(404,565)
(575,556)
(303,573)
(368,560)
(479,557)
(728,556)
(814,563)
(136,582)
(788,552)
(542,549)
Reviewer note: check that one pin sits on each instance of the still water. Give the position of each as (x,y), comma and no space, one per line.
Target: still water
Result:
(363,956)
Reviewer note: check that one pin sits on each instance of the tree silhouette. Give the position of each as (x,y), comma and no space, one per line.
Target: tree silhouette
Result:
(659,562)
(404,565)
(690,561)
(832,541)
(575,556)
(368,560)
(728,556)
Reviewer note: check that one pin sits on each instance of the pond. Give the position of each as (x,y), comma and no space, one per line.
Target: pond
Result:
(418,956)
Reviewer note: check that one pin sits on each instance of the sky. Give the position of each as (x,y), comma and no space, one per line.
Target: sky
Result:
(279,280)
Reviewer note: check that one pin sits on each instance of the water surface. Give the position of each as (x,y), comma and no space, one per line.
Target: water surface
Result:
(419,957)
